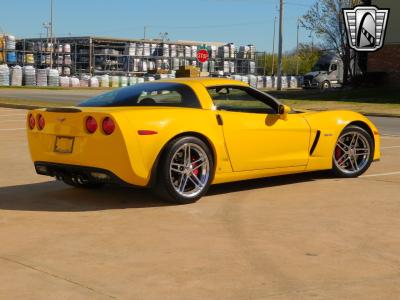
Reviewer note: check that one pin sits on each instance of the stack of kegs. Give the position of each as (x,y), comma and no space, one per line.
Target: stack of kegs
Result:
(104,81)
(29,59)
(41,77)
(29,75)
(123,81)
(67,48)
(75,82)
(16,76)
(67,60)
(10,42)
(67,71)
(53,77)
(114,81)
(11,57)
(64,81)
(132,80)
(4,75)
(84,81)
(94,82)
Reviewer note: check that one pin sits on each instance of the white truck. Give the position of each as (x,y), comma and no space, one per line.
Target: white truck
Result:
(326,73)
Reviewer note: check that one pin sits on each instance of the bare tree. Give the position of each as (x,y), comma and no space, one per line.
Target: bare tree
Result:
(325,19)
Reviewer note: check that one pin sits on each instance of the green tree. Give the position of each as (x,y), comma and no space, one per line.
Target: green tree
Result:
(308,56)
(325,19)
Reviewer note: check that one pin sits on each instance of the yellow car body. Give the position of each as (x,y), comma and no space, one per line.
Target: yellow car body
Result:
(244,145)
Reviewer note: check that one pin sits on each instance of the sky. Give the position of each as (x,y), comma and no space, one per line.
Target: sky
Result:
(239,21)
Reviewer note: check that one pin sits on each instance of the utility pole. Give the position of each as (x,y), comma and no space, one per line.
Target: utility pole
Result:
(273,49)
(297,48)
(51,34)
(144,32)
(279,83)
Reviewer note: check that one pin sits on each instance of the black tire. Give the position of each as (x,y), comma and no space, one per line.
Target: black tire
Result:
(367,159)
(325,85)
(83,184)
(164,187)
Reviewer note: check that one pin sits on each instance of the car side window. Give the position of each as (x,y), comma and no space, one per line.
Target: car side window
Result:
(239,99)
(160,97)
(333,67)
(147,94)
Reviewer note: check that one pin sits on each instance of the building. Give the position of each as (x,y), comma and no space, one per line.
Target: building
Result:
(387,59)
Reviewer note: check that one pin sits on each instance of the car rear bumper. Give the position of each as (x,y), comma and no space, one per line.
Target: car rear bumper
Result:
(83,173)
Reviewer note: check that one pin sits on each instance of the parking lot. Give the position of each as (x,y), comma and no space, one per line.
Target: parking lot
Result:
(307,236)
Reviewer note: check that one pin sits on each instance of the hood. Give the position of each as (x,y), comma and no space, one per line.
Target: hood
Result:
(315,73)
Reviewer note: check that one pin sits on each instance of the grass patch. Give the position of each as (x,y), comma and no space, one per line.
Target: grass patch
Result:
(386,95)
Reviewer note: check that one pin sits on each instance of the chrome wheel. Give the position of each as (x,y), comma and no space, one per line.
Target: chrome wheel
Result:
(189,170)
(352,152)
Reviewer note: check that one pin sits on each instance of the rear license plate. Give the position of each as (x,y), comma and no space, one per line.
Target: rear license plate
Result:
(64,144)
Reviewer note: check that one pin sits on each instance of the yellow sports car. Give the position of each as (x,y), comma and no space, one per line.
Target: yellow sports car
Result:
(180,136)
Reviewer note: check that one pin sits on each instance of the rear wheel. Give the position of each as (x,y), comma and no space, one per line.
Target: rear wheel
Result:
(185,171)
(353,153)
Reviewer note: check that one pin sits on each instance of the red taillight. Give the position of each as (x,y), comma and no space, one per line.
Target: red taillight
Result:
(108,125)
(41,122)
(91,125)
(32,121)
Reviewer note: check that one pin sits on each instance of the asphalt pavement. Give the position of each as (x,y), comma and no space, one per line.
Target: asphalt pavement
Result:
(307,236)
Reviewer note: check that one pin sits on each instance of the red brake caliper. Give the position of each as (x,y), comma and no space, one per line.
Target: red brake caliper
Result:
(338,153)
(194,165)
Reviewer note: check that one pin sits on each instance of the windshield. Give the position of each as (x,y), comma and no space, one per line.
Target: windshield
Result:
(147,94)
(321,67)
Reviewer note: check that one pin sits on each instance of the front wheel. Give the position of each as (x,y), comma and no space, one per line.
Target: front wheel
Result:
(353,153)
(185,171)
(325,85)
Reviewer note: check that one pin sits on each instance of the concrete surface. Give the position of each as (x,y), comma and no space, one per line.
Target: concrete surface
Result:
(295,237)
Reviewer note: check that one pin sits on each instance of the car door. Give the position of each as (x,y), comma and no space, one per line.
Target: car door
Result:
(255,135)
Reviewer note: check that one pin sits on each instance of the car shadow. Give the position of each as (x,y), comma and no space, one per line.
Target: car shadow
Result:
(57,197)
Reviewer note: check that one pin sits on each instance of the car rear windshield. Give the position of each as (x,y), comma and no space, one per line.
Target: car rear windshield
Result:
(147,94)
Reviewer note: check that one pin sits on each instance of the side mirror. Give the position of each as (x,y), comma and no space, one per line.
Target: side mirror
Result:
(284,110)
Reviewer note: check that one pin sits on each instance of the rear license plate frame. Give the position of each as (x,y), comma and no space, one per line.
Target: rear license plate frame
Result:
(64,149)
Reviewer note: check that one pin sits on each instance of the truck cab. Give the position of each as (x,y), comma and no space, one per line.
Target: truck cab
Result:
(326,73)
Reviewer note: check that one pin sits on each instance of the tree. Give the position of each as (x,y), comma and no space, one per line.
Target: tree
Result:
(325,19)
(308,56)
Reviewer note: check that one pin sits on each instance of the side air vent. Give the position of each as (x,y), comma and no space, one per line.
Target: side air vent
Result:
(314,145)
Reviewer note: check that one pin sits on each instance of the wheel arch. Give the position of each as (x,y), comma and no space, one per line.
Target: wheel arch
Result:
(364,126)
(198,135)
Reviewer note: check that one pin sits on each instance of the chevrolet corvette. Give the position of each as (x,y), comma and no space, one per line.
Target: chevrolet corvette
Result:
(179,136)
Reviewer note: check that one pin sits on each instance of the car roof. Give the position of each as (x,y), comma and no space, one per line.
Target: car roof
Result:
(207,81)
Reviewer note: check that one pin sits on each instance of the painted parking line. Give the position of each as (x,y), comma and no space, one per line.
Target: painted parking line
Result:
(12,129)
(15,120)
(390,136)
(381,174)
(390,147)
(13,115)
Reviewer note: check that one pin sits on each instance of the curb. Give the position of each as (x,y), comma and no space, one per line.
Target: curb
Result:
(29,107)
